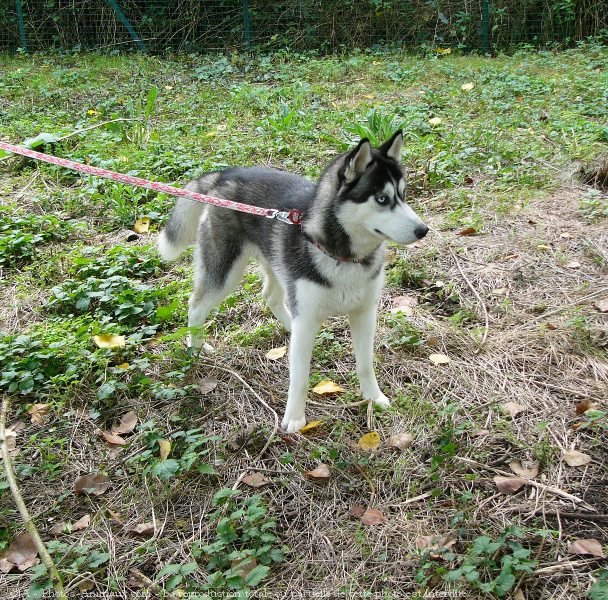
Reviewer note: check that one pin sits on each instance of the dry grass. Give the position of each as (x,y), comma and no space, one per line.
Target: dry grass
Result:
(545,348)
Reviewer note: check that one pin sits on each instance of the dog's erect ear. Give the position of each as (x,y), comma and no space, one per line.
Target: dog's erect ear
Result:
(392,148)
(358,161)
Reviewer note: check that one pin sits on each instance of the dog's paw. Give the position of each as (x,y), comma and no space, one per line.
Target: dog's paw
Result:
(197,346)
(381,400)
(292,424)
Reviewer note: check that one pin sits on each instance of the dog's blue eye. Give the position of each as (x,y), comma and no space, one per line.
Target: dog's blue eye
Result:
(382,199)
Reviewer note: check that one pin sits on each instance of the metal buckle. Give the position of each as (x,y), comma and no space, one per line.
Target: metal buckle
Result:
(293,217)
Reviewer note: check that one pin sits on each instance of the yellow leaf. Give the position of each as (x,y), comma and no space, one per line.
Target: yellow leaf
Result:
(165,448)
(444,51)
(543,247)
(276,353)
(109,340)
(439,359)
(467,87)
(435,121)
(142,225)
(310,426)
(124,366)
(326,387)
(369,441)
(38,412)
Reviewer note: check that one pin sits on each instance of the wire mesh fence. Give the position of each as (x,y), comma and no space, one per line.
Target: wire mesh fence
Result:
(327,25)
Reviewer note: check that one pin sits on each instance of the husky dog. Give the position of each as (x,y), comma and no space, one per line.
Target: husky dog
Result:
(331,265)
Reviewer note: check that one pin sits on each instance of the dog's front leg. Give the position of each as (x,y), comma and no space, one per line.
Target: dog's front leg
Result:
(303,332)
(363,327)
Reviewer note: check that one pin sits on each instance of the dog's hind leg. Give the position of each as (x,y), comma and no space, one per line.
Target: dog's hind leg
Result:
(217,273)
(275,298)
(363,327)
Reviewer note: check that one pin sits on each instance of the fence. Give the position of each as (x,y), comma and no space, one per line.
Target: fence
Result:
(224,25)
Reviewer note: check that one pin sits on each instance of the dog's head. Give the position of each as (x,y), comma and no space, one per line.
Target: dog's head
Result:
(372,193)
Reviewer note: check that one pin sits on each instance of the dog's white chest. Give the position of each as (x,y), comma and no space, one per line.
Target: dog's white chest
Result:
(348,293)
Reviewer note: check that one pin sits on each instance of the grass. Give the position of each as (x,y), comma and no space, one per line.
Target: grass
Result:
(499,157)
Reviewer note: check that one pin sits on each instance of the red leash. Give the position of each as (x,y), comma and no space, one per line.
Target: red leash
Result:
(293,217)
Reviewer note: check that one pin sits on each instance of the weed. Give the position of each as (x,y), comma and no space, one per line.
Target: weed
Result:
(594,205)
(244,547)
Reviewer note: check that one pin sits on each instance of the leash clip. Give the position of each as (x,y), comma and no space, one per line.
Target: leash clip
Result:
(293,217)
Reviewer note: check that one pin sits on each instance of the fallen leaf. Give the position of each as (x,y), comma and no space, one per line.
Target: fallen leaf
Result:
(369,441)
(321,473)
(444,51)
(543,247)
(127,423)
(400,440)
(573,264)
(59,528)
(327,387)
(145,529)
(467,87)
(435,542)
(566,236)
(500,291)
(512,408)
(586,546)
(439,359)
(519,595)
(21,553)
(509,485)
(165,448)
(92,484)
(358,510)
(11,444)
(310,426)
(114,440)
(276,353)
(244,565)
(584,405)
(207,385)
(109,340)
(255,480)
(467,231)
(479,432)
(142,225)
(528,469)
(372,516)
(38,412)
(82,523)
(602,305)
(574,458)
(404,304)
(123,366)
(435,121)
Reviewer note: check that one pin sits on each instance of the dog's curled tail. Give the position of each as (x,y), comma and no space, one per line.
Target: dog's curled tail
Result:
(180,231)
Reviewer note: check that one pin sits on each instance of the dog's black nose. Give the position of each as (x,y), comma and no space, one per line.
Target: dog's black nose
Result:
(421,231)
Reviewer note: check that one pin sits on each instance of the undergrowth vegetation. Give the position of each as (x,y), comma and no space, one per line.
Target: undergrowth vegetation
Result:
(92,328)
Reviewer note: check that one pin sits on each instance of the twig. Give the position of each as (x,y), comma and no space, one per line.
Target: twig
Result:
(28,522)
(151,585)
(481,302)
(556,568)
(540,486)
(570,305)
(560,514)
(96,126)
(260,399)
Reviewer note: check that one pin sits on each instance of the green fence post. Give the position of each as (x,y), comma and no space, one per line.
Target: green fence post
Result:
(134,35)
(21,22)
(246,24)
(485,26)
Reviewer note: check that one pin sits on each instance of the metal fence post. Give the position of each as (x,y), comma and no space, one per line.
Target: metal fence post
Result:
(485,26)
(134,35)
(21,23)
(246,24)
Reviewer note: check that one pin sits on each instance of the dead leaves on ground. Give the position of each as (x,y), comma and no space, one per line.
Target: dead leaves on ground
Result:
(574,458)
(509,485)
(320,474)
(256,480)
(400,441)
(93,485)
(439,359)
(126,425)
(528,469)
(62,527)
(369,441)
(21,554)
(276,353)
(602,305)
(327,388)
(513,408)
(588,546)
(38,413)
(404,304)
(368,516)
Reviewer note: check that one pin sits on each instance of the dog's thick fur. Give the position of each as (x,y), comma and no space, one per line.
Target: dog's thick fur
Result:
(332,265)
